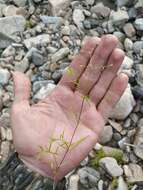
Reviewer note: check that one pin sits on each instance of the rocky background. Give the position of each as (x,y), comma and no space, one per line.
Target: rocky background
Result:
(40,38)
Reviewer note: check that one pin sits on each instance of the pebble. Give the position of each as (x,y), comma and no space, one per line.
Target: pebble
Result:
(20,3)
(88,177)
(22,66)
(138,142)
(60,54)
(106,135)
(139,24)
(139,70)
(138,46)
(133,173)
(100,10)
(44,91)
(11,25)
(111,166)
(9,51)
(39,40)
(5,148)
(73,182)
(128,44)
(129,30)
(121,3)
(119,18)
(122,184)
(58,6)
(4,76)
(126,103)
(37,58)
(78,17)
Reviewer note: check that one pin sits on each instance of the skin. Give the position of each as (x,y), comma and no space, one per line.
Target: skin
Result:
(33,126)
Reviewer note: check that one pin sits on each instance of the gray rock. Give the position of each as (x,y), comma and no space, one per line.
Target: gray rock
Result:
(129,30)
(57,7)
(44,91)
(111,166)
(78,17)
(4,76)
(121,3)
(133,173)
(139,24)
(122,184)
(36,41)
(20,3)
(12,25)
(126,103)
(9,51)
(88,177)
(60,54)
(139,4)
(138,46)
(10,10)
(5,41)
(5,150)
(119,18)
(54,21)
(139,70)
(101,10)
(37,58)
(138,142)
(22,66)
(106,135)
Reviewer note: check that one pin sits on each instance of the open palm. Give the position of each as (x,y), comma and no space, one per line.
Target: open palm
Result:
(56,134)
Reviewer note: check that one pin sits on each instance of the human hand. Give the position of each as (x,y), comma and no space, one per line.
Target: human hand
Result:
(53,136)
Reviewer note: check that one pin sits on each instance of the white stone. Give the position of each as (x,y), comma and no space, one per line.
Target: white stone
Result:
(78,17)
(58,6)
(119,17)
(10,10)
(139,24)
(38,40)
(4,76)
(73,182)
(125,105)
(44,91)
(127,63)
(111,166)
(122,184)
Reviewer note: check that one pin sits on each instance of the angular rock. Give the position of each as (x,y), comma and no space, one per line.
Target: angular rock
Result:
(128,44)
(4,76)
(101,10)
(125,105)
(127,63)
(58,6)
(9,51)
(139,140)
(106,135)
(36,41)
(59,55)
(139,24)
(12,25)
(78,17)
(119,18)
(5,150)
(90,2)
(10,10)
(88,177)
(111,166)
(133,173)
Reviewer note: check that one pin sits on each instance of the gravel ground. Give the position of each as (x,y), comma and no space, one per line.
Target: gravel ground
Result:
(40,38)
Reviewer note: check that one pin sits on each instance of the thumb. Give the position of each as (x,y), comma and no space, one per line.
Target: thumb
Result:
(21,87)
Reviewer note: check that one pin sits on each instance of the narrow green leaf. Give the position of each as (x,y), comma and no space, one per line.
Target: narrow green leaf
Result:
(70,71)
(74,145)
